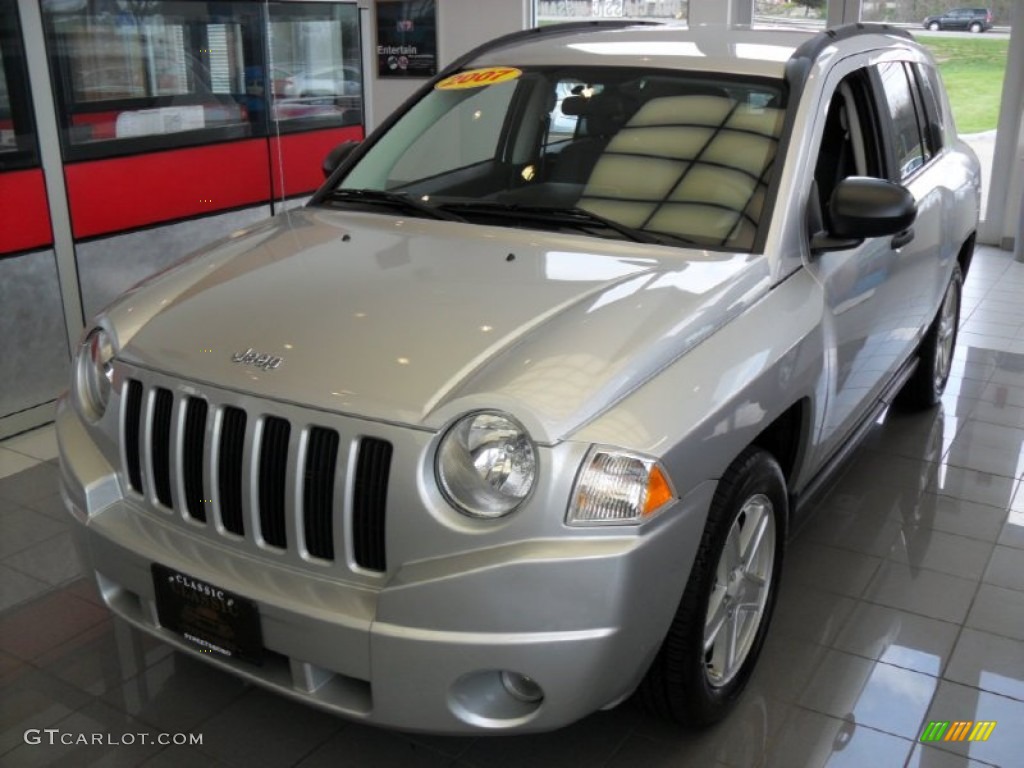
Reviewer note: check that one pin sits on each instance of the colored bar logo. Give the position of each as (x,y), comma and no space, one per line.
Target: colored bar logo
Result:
(958,730)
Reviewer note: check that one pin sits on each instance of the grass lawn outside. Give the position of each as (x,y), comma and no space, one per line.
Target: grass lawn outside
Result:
(972,69)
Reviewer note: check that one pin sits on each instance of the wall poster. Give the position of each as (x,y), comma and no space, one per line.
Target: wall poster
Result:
(406,38)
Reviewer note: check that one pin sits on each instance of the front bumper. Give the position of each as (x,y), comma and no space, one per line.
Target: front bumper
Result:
(582,615)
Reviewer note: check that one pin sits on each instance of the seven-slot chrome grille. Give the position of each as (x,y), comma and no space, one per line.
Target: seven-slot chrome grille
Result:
(280,483)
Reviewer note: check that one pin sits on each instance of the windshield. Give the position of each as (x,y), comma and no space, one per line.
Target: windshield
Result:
(654,156)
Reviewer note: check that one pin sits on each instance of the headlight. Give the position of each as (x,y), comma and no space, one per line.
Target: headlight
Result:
(93,373)
(486,464)
(615,487)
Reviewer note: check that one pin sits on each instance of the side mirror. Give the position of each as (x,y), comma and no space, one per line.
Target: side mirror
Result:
(337,156)
(862,207)
(865,207)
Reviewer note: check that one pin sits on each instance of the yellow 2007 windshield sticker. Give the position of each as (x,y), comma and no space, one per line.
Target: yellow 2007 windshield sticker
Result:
(478,78)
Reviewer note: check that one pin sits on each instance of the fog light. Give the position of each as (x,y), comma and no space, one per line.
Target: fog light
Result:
(521,687)
(495,699)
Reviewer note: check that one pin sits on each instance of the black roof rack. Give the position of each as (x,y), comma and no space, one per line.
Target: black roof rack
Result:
(799,64)
(820,41)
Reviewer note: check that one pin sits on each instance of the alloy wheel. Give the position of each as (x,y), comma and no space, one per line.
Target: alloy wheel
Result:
(946,336)
(739,595)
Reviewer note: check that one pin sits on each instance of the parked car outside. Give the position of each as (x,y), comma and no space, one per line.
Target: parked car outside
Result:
(509,424)
(967,19)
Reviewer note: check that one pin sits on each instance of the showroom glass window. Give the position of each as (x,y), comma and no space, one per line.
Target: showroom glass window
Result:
(805,15)
(547,11)
(316,75)
(17,130)
(136,75)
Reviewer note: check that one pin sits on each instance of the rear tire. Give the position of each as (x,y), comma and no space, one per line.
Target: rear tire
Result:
(976,28)
(935,356)
(712,646)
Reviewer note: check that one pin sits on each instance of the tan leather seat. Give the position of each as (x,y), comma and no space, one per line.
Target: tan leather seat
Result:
(712,185)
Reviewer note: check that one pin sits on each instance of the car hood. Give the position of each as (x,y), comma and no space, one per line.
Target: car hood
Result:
(416,321)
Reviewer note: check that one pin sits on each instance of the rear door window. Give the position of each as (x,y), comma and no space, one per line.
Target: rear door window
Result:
(908,146)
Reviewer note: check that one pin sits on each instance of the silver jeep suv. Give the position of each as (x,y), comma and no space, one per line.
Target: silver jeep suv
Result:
(511,421)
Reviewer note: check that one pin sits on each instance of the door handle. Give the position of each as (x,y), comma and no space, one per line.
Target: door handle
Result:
(902,238)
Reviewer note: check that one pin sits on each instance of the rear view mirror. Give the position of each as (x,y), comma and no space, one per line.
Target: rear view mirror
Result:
(337,156)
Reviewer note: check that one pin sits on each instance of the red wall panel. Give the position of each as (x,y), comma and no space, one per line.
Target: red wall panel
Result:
(303,156)
(24,211)
(128,192)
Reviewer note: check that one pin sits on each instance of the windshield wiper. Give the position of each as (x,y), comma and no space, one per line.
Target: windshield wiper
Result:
(393,200)
(578,217)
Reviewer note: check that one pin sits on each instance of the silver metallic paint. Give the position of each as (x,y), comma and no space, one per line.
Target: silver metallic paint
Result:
(387,293)
(683,355)
(612,596)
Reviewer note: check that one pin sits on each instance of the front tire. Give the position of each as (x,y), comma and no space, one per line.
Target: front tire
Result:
(711,648)
(935,358)
(934,26)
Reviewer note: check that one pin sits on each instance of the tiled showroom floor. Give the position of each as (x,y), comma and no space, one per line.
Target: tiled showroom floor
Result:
(902,602)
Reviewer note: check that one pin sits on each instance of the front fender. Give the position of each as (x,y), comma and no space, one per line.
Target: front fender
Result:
(698,414)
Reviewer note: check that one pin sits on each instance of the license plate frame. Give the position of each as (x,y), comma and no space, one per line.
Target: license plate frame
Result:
(214,620)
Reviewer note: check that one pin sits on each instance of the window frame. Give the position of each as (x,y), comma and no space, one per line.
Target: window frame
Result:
(888,121)
(250,18)
(256,102)
(291,11)
(856,91)
(926,77)
(19,94)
